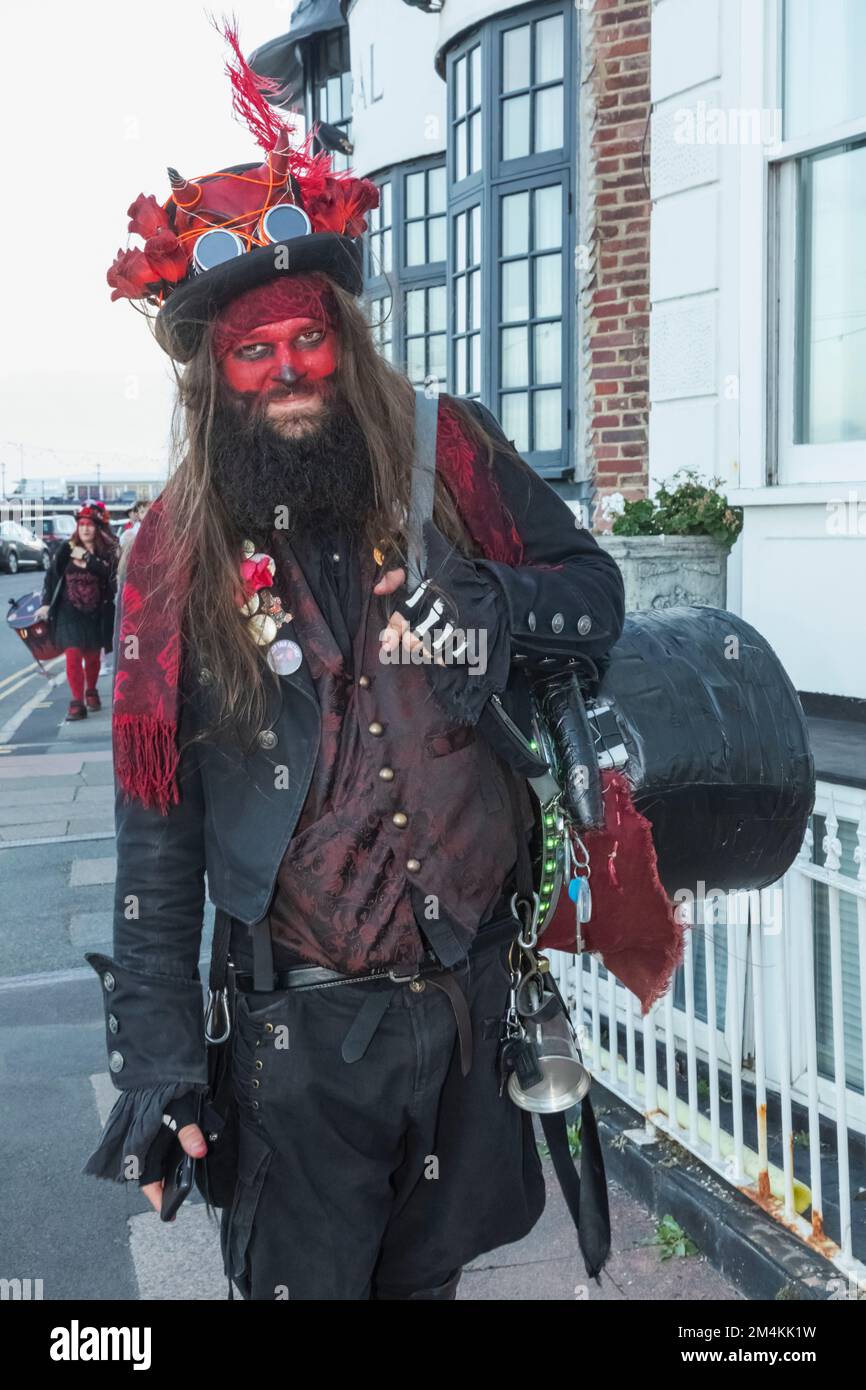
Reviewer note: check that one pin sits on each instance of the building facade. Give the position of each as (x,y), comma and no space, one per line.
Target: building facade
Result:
(509,256)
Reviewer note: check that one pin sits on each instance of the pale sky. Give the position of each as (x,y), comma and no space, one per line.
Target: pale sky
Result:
(95,100)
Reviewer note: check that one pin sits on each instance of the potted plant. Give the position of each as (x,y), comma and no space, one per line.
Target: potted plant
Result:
(673,547)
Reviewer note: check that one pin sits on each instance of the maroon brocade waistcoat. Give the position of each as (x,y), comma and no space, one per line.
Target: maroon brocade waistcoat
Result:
(403,803)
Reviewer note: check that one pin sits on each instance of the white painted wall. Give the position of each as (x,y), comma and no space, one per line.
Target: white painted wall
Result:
(798,572)
(398,99)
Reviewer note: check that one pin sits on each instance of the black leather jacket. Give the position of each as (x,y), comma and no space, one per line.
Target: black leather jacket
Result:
(235,818)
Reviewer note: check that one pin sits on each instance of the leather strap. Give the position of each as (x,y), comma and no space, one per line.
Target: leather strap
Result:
(263,955)
(585,1196)
(445,981)
(219,951)
(367,1020)
(423,484)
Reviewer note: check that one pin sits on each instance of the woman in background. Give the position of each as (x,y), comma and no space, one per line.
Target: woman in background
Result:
(78,602)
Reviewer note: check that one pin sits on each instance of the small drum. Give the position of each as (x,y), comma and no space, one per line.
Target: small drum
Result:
(35,635)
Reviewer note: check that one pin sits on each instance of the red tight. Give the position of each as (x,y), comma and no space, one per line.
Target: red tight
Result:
(76,675)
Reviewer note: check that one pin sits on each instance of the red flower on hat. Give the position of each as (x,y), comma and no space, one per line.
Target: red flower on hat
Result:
(340,207)
(132,276)
(146,217)
(257,573)
(167,256)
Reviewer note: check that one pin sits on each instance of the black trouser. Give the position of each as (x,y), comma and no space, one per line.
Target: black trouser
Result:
(382,1176)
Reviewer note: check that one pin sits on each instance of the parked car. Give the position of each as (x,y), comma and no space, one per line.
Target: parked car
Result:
(18,547)
(55,529)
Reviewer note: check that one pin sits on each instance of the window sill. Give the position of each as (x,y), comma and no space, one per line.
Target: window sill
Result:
(795,494)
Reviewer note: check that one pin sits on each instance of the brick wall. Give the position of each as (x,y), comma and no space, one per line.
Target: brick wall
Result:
(615,234)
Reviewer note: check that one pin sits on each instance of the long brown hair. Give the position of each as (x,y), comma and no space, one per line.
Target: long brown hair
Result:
(104,544)
(201,536)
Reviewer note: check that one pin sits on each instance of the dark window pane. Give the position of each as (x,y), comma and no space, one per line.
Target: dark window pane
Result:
(547,408)
(475,142)
(415,254)
(436,189)
(515,127)
(461,135)
(460,241)
(831,330)
(548,217)
(475,87)
(415,195)
(514,349)
(460,305)
(475,248)
(515,59)
(436,239)
(461,385)
(548,119)
(515,224)
(548,286)
(416,364)
(460,87)
(548,352)
(436,308)
(437,350)
(415,311)
(549,48)
(515,291)
(514,415)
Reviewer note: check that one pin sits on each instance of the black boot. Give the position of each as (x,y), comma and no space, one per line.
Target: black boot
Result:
(442,1293)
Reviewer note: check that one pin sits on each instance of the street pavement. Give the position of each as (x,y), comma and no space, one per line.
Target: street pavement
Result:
(91,1240)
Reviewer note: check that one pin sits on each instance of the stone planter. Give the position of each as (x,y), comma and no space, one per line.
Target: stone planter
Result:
(662,571)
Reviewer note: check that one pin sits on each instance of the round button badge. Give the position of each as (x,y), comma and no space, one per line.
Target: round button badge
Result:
(284,657)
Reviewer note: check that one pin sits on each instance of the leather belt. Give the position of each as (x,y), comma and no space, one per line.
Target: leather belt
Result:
(369,1016)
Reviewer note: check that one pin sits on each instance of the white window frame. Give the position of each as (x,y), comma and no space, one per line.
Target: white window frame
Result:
(790,463)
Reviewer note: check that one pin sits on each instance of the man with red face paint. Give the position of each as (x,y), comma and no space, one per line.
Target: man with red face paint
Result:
(363,835)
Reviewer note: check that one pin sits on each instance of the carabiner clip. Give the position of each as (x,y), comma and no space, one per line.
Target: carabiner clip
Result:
(528,935)
(214,1002)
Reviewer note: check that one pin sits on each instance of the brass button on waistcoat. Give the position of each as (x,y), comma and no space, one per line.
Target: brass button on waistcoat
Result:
(364,681)
(417,986)
(400,819)
(387,774)
(413,865)
(377,729)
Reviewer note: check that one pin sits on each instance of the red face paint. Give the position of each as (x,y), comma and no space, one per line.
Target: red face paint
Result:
(292,358)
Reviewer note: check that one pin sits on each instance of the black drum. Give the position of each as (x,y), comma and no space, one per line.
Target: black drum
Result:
(697,712)
(35,636)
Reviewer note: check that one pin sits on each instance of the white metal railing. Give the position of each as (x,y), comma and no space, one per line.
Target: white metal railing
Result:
(770,1001)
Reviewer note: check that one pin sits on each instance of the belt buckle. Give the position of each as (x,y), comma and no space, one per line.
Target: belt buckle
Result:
(403,979)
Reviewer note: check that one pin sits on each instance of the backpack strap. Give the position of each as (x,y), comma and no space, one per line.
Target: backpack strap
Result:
(423,483)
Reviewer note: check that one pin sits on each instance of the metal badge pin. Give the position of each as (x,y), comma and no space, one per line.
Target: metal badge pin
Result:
(285,656)
(263,628)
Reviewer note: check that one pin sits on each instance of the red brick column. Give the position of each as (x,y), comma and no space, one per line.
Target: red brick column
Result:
(615,233)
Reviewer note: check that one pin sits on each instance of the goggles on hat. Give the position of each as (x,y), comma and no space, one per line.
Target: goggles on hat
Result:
(281,222)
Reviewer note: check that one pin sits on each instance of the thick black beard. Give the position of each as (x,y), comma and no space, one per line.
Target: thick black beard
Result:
(323,478)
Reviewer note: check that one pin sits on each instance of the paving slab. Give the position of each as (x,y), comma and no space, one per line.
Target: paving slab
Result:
(85,873)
